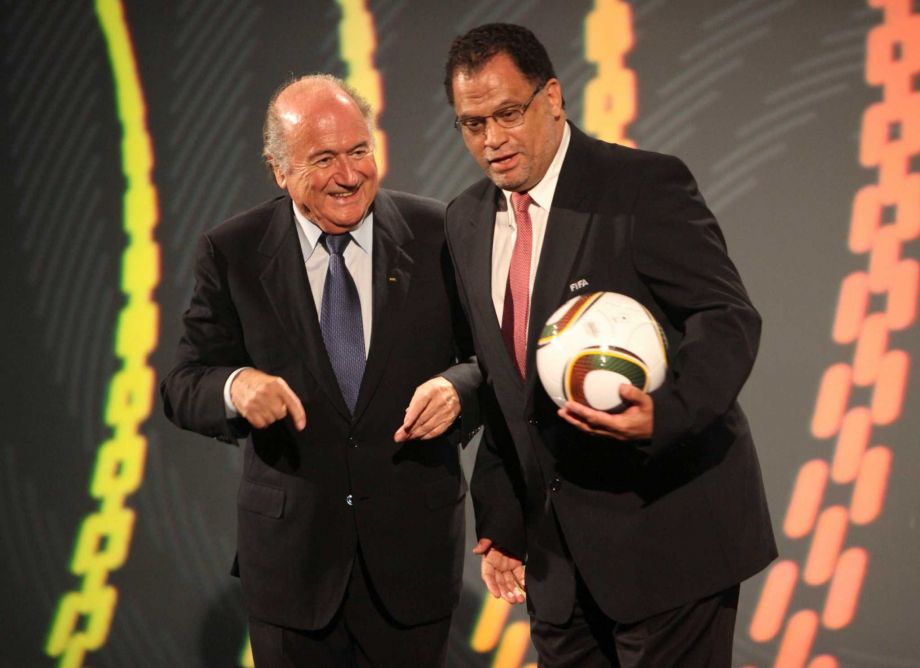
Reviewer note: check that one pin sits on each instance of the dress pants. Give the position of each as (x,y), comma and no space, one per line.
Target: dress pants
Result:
(696,635)
(362,634)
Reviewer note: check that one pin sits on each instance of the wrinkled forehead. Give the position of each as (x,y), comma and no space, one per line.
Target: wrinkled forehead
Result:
(317,127)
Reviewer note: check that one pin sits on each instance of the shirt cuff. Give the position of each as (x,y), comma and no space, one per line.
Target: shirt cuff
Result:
(228,403)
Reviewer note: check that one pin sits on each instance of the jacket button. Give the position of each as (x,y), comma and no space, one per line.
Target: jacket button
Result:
(349,500)
(534,421)
(352,442)
(555,484)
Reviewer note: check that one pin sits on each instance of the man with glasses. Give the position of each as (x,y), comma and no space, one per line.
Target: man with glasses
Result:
(636,528)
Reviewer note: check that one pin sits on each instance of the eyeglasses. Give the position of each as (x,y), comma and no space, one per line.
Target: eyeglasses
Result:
(508,117)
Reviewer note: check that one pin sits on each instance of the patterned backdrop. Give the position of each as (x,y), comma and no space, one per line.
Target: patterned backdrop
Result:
(130,127)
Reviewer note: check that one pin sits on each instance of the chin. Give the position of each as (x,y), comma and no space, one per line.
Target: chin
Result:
(506,182)
(345,226)
(512,180)
(350,216)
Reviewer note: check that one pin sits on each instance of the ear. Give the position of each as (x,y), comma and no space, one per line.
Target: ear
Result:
(280,178)
(554,95)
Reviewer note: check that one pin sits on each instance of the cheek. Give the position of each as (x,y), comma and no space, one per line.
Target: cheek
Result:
(370,174)
(522,142)
(475,148)
(311,188)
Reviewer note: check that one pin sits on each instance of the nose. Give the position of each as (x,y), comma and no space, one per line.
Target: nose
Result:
(345,173)
(494,135)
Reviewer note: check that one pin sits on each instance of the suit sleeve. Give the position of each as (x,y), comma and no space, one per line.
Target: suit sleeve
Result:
(466,375)
(210,349)
(496,485)
(680,252)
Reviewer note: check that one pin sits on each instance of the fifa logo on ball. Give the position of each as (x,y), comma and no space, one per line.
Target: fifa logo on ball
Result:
(593,343)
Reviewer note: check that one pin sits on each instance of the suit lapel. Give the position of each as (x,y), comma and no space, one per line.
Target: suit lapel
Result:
(392,273)
(285,281)
(476,247)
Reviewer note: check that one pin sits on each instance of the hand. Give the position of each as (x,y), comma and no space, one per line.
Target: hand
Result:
(632,424)
(264,399)
(503,575)
(433,408)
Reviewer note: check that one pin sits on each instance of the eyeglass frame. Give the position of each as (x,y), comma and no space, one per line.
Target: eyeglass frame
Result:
(459,123)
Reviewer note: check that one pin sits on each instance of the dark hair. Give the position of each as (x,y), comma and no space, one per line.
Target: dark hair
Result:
(471,51)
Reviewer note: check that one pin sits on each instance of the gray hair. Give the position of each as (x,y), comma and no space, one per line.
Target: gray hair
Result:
(274,142)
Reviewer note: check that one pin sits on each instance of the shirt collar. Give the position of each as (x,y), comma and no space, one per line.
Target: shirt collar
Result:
(542,193)
(309,232)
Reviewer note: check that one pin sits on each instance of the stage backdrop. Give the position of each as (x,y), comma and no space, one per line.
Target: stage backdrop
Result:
(129,127)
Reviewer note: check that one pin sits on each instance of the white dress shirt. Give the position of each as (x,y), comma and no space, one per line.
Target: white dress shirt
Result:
(506,229)
(359,261)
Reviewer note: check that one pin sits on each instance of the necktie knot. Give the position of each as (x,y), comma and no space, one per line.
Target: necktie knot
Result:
(334,244)
(520,202)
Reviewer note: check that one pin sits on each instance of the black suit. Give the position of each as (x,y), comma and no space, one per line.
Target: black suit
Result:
(308,499)
(649,525)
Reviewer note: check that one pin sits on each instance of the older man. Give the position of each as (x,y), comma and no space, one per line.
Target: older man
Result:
(637,528)
(324,326)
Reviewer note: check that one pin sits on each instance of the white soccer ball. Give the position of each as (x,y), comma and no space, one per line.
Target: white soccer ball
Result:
(593,343)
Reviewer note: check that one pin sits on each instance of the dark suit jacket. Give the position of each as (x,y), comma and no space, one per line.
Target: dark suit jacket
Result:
(308,499)
(649,525)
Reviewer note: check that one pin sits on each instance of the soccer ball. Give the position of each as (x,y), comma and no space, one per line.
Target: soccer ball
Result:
(593,343)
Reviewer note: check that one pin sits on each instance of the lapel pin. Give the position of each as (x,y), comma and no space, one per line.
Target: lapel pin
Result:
(391,279)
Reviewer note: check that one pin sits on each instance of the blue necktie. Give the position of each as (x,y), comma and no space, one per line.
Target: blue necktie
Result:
(340,320)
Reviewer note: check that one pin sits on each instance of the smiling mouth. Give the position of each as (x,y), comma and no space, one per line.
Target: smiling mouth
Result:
(345,195)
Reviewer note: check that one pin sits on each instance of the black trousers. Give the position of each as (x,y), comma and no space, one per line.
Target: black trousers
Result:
(699,633)
(361,634)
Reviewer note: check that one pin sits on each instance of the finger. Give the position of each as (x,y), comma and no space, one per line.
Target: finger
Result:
(574,419)
(423,421)
(638,419)
(438,415)
(432,424)
(256,420)
(580,423)
(483,546)
(585,413)
(519,578)
(596,419)
(633,394)
(278,411)
(488,577)
(260,418)
(293,406)
(416,405)
(436,430)
(578,415)
(511,590)
(444,418)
